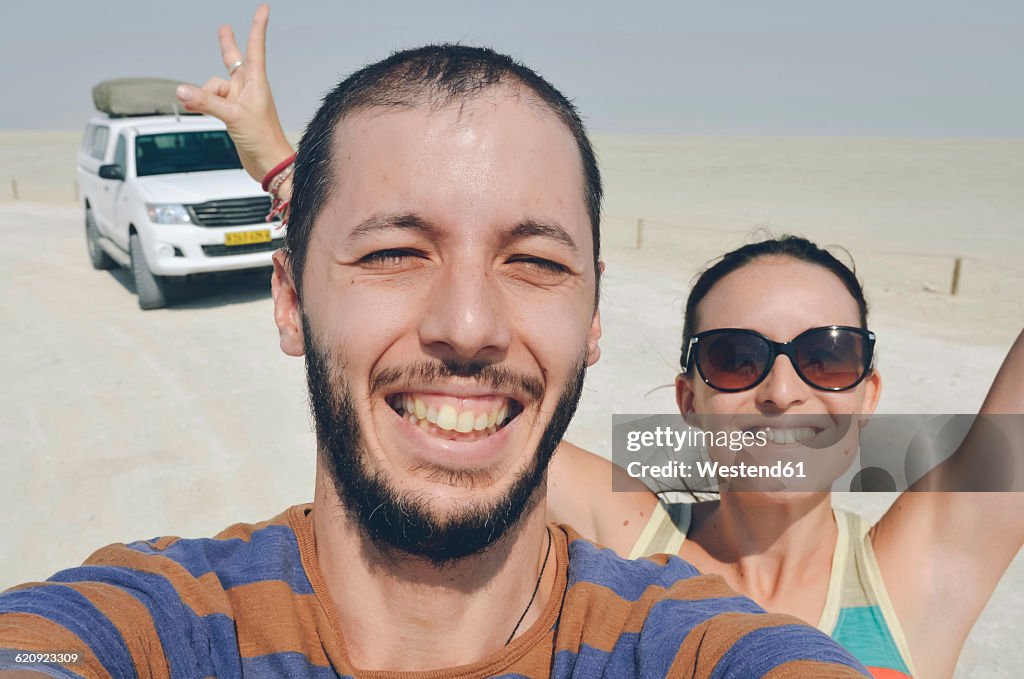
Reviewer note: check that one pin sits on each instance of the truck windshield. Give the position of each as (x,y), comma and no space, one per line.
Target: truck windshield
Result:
(173,152)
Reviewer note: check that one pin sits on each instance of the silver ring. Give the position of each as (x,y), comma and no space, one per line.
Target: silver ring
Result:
(235,66)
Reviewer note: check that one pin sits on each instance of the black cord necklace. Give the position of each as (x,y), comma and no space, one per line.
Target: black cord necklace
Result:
(536,588)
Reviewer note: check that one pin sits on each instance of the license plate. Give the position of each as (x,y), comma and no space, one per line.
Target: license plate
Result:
(247,237)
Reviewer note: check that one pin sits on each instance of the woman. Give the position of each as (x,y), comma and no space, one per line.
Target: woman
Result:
(902,594)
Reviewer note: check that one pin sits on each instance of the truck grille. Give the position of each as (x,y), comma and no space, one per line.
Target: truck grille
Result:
(223,250)
(231,212)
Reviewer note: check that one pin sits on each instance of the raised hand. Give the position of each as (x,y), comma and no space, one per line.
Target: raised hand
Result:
(244,101)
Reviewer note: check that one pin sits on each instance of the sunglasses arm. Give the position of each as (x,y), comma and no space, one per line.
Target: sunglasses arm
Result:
(689,354)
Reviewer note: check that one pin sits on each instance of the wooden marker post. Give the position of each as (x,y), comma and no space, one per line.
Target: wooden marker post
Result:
(14,188)
(639,233)
(954,287)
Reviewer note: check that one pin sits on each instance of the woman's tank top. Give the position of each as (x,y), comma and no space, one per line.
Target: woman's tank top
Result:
(857,614)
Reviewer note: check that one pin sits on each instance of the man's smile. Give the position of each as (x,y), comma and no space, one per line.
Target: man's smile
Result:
(455,417)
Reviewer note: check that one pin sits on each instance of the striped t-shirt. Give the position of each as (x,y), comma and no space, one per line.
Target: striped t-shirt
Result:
(251,602)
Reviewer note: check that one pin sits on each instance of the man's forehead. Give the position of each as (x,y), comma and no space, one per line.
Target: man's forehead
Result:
(502,113)
(495,155)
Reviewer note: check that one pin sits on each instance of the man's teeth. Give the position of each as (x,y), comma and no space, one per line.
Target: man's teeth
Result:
(795,435)
(447,417)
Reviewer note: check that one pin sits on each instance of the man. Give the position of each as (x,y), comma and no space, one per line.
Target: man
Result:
(440,276)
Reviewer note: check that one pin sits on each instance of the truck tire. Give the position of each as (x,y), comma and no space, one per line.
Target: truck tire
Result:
(151,289)
(97,256)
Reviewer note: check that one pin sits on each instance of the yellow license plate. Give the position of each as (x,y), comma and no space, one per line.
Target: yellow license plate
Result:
(247,237)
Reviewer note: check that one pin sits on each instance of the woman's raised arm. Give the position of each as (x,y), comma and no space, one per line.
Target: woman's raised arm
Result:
(244,100)
(942,546)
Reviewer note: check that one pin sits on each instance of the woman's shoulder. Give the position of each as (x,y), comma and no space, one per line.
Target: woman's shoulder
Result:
(597,498)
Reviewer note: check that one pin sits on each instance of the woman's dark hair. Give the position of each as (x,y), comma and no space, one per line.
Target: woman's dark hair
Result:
(795,247)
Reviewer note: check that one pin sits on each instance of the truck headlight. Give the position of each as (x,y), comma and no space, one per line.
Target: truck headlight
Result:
(168,214)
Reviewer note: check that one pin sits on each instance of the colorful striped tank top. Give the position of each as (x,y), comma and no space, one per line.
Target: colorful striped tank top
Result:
(857,613)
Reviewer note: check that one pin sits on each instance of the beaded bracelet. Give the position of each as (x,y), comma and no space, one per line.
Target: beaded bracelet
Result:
(275,170)
(278,181)
(272,184)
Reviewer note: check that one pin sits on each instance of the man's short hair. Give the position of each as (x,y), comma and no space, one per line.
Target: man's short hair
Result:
(434,75)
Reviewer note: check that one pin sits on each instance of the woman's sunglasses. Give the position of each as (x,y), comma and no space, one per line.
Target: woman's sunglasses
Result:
(833,358)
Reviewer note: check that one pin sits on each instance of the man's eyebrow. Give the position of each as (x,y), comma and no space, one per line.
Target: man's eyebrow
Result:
(532,228)
(389,222)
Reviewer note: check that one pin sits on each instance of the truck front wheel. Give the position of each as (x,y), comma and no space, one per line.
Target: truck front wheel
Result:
(151,289)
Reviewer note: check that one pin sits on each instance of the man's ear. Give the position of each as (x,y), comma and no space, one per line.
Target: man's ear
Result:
(594,340)
(287,313)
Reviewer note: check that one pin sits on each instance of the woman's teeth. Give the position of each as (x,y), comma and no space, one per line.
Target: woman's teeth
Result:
(795,435)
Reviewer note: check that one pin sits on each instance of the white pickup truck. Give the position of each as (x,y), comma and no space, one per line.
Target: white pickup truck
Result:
(166,196)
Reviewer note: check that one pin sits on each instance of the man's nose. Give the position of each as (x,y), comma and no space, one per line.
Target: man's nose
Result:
(782,388)
(466,317)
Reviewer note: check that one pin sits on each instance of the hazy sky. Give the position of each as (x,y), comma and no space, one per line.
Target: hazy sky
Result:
(895,68)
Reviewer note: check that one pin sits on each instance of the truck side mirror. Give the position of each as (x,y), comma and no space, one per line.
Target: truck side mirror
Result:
(111,171)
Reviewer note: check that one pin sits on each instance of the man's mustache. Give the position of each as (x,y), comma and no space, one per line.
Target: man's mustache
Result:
(496,377)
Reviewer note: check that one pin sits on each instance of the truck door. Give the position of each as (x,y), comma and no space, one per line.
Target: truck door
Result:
(107,189)
(88,165)
(98,191)
(120,195)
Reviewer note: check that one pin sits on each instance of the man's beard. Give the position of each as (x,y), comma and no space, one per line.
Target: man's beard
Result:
(402,520)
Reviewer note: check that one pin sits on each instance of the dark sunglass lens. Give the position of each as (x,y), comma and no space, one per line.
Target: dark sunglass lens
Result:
(832,359)
(732,360)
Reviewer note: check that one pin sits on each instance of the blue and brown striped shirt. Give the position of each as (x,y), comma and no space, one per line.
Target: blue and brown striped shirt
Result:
(251,602)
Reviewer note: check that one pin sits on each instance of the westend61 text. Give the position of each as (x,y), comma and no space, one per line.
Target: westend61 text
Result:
(667,437)
(707,469)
